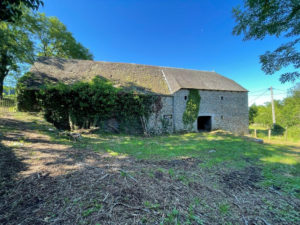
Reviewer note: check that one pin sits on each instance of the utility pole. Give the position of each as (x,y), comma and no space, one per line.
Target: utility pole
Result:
(272,102)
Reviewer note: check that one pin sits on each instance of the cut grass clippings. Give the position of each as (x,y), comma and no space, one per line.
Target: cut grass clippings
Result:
(198,178)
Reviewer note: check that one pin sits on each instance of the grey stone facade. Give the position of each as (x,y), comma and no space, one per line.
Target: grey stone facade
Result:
(228,111)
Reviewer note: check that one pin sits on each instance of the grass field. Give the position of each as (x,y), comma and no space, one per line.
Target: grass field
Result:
(293,134)
(280,163)
(196,178)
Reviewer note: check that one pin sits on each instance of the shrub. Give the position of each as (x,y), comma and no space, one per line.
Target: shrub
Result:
(54,101)
(277,129)
(86,104)
(27,99)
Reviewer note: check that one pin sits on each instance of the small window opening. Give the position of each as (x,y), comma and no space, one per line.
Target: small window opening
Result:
(222,97)
(222,117)
(185,97)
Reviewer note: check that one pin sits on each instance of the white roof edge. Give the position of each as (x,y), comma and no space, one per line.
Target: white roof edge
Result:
(170,89)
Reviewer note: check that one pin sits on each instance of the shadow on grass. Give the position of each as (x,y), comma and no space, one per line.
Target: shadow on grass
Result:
(10,165)
(78,196)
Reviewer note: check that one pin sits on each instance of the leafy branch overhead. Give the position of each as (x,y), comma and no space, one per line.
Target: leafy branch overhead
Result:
(12,10)
(260,18)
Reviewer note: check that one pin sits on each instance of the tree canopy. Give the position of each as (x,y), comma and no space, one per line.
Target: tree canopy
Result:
(11,10)
(35,34)
(260,18)
(55,40)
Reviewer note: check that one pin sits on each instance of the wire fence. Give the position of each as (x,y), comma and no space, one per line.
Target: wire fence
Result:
(8,104)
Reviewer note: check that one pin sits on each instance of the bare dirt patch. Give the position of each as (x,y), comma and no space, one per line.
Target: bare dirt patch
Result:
(243,179)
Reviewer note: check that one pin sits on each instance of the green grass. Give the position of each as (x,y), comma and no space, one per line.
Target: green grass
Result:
(280,163)
(293,134)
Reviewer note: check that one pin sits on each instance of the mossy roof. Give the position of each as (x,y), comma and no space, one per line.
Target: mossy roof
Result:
(142,78)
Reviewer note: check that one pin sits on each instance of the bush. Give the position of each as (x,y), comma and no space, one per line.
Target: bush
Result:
(27,99)
(277,129)
(86,104)
(53,100)
(293,133)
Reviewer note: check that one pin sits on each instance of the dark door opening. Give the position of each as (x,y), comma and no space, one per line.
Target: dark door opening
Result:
(204,123)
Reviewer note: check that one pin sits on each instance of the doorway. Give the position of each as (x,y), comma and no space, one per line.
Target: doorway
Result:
(204,123)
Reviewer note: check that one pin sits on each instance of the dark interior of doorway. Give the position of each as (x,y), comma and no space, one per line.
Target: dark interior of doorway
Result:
(204,123)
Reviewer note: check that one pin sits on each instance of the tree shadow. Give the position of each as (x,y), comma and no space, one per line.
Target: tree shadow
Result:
(10,166)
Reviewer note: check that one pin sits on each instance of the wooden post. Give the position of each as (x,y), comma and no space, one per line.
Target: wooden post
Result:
(286,133)
(269,134)
(273,108)
(255,133)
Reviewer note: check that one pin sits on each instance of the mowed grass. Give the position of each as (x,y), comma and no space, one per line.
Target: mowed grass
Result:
(293,134)
(280,163)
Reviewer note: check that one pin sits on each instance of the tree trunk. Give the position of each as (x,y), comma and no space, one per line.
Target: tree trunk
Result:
(3,71)
(1,85)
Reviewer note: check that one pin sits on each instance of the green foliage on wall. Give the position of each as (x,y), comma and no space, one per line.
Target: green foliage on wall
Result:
(27,99)
(192,108)
(85,104)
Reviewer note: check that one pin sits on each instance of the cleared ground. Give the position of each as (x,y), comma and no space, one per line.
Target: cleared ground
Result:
(205,178)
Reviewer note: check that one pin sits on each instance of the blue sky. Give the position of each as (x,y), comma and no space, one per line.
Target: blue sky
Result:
(186,34)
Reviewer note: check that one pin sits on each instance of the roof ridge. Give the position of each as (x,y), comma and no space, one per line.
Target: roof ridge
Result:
(170,89)
(138,64)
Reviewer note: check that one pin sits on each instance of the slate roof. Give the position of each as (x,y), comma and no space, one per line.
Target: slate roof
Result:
(143,78)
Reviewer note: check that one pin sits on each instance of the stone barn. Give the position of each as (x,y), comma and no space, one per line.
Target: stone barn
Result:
(223,104)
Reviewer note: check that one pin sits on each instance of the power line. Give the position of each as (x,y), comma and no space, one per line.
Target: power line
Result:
(252,101)
(258,90)
(254,95)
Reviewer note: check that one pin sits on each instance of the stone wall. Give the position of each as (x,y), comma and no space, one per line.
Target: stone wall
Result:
(228,110)
(162,122)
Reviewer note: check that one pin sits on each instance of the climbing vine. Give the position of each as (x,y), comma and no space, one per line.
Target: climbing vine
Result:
(86,104)
(192,108)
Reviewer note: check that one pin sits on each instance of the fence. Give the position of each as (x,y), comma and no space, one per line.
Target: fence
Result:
(8,104)
(289,134)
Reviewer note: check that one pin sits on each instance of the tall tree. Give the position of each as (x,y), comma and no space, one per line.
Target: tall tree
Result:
(15,48)
(55,40)
(35,35)
(259,18)
(11,10)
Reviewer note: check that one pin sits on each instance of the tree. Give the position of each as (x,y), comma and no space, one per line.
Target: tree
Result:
(259,18)
(55,40)
(35,35)
(252,113)
(15,48)
(11,10)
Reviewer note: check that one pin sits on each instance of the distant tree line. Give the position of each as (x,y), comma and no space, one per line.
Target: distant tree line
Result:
(287,111)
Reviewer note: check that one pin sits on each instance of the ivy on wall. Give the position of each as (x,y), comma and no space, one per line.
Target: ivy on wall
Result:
(192,108)
(27,99)
(85,104)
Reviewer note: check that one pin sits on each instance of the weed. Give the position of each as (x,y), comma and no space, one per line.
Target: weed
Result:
(171,173)
(151,205)
(224,208)
(191,218)
(171,218)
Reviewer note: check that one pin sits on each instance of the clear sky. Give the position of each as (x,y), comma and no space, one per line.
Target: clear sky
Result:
(192,34)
